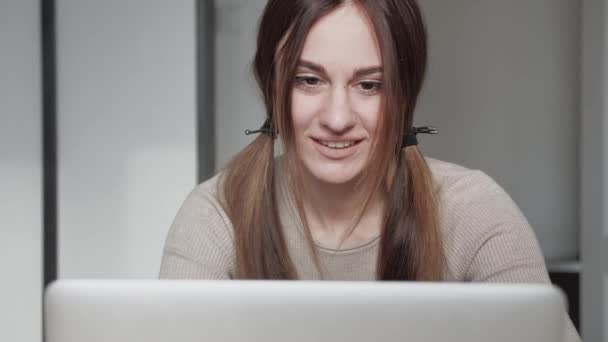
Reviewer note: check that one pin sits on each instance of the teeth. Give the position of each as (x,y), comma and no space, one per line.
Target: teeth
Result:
(337,144)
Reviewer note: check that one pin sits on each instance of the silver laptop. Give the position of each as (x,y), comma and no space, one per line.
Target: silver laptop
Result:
(273,311)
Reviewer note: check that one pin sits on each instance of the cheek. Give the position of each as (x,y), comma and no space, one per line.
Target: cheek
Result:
(369,112)
(304,108)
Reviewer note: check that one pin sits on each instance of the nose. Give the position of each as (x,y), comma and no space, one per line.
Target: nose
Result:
(338,116)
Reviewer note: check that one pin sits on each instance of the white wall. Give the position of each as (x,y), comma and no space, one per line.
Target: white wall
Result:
(503,89)
(594,165)
(126,131)
(20,172)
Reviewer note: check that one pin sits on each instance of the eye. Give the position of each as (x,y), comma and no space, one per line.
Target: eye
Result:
(370,87)
(308,81)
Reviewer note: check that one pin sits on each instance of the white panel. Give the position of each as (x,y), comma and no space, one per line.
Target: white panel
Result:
(594,165)
(20,172)
(604,103)
(605,309)
(126,117)
(601,252)
(503,89)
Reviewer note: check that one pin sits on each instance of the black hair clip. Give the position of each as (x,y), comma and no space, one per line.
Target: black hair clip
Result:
(265,129)
(410,138)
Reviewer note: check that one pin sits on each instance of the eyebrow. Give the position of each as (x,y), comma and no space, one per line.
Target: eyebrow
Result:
(359,72)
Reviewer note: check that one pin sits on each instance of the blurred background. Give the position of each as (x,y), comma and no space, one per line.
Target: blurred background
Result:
(112,111)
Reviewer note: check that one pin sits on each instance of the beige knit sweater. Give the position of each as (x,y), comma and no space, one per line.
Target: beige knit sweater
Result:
(486,237)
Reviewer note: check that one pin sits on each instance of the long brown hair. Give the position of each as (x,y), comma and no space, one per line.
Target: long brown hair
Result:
(410,247)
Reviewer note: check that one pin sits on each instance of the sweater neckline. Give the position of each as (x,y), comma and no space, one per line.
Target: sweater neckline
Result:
(346,251)
(288,214)
(295,223)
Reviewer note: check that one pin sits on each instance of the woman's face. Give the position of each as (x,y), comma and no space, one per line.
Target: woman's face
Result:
(337,95)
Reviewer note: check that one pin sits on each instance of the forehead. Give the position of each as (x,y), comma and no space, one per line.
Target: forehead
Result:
(343,39)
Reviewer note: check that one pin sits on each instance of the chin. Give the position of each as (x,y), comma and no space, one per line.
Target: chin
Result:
(334,174)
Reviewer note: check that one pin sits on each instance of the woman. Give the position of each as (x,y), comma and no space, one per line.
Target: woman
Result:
(351,197)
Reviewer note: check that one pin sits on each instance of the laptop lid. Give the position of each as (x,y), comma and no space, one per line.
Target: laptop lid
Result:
(273,311)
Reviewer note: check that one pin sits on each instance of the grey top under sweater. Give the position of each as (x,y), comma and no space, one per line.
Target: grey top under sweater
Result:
(486,238)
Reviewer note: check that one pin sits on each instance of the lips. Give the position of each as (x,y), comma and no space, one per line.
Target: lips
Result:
(337,144)
(336,150)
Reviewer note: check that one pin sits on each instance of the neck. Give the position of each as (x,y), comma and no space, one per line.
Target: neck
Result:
(332,210)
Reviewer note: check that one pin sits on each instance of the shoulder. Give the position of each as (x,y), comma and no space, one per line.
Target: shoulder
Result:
(201,219)
(449,174)
(199,242)
(464,188)
(461,188)
(474,210)
(204,200)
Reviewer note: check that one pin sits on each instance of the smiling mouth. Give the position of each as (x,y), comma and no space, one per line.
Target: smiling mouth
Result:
(338,145)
